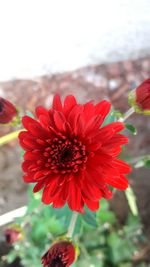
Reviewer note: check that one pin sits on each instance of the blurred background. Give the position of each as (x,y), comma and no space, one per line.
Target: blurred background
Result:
(93,49)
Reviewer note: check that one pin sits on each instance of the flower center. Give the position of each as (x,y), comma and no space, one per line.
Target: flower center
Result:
(8,238)
(1,106)
(56,262)
(64,155)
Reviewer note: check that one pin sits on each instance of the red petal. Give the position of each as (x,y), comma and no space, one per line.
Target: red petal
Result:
(46,199)
(59,120)
(28,179)
(103,108)
(104,134)
(41,111)
(90,190)
(117,182)
(122,166)
(73,115)
(74,200)
(93,123)
(89,111)
(57,105)
(38,186)
(58,201)
(92,205)
(106,192)
(32,156)
(45,121)
(69,103)
(80,125)
(116,140)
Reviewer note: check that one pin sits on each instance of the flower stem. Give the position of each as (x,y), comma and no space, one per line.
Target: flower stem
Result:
(72,224)
(9,137)
(127,114)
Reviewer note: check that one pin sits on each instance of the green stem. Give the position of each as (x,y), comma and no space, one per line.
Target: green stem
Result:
(72,224)
(9,137)
(127,114)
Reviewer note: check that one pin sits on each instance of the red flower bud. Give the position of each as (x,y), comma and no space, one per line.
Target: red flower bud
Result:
(61,254)
(143,95)
(7,111)
(12,235)
(140,98)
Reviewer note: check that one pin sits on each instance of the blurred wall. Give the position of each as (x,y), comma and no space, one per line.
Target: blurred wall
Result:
(48,36)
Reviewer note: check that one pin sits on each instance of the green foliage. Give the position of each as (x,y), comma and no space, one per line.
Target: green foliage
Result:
(143,161)
(89,217)
(102,242)
(131,200)
(131,128)
(111,117)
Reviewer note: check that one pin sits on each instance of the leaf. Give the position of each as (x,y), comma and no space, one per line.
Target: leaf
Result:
(143,162)
(140,163)
(30,114)
(117,114)
(110,118)
(89,217)
(131,128)
(11,256)
(120,249)
(131,200)
(147,163)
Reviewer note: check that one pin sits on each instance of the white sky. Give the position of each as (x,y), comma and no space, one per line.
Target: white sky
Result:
(45,36)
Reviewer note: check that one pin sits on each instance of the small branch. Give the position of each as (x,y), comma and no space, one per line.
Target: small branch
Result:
(72,224)
(128,113)
(9,137)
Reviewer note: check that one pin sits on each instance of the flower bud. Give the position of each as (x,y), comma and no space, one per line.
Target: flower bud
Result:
(13,234)
(7,111)
(140,98)
(60,254)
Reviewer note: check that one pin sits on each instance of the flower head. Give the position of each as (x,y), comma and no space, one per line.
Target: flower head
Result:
(140,98)
(7,111)
(71,155)
(61,254)
(13,234)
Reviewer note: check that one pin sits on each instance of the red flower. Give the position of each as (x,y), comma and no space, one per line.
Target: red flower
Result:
(70,156)
(139,98)
(61,254)
(12,235)
(7,111)
(143,95)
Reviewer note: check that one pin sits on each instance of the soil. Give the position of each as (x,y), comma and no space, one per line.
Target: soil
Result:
(112,81)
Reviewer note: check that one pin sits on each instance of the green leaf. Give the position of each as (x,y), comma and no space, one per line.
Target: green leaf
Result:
(30,114)
(11,256)
(140,163)
(89,217)
(131,128)
(131,200)
(110,118)
(120,249)
(143,161)
(147,163)
(117,114)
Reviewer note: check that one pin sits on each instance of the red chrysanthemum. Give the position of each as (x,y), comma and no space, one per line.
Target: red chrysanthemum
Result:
(7,111)
(61,254)
(70,154)
(143,95)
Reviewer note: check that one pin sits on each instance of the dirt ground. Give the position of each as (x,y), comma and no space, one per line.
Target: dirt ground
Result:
(112,81)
